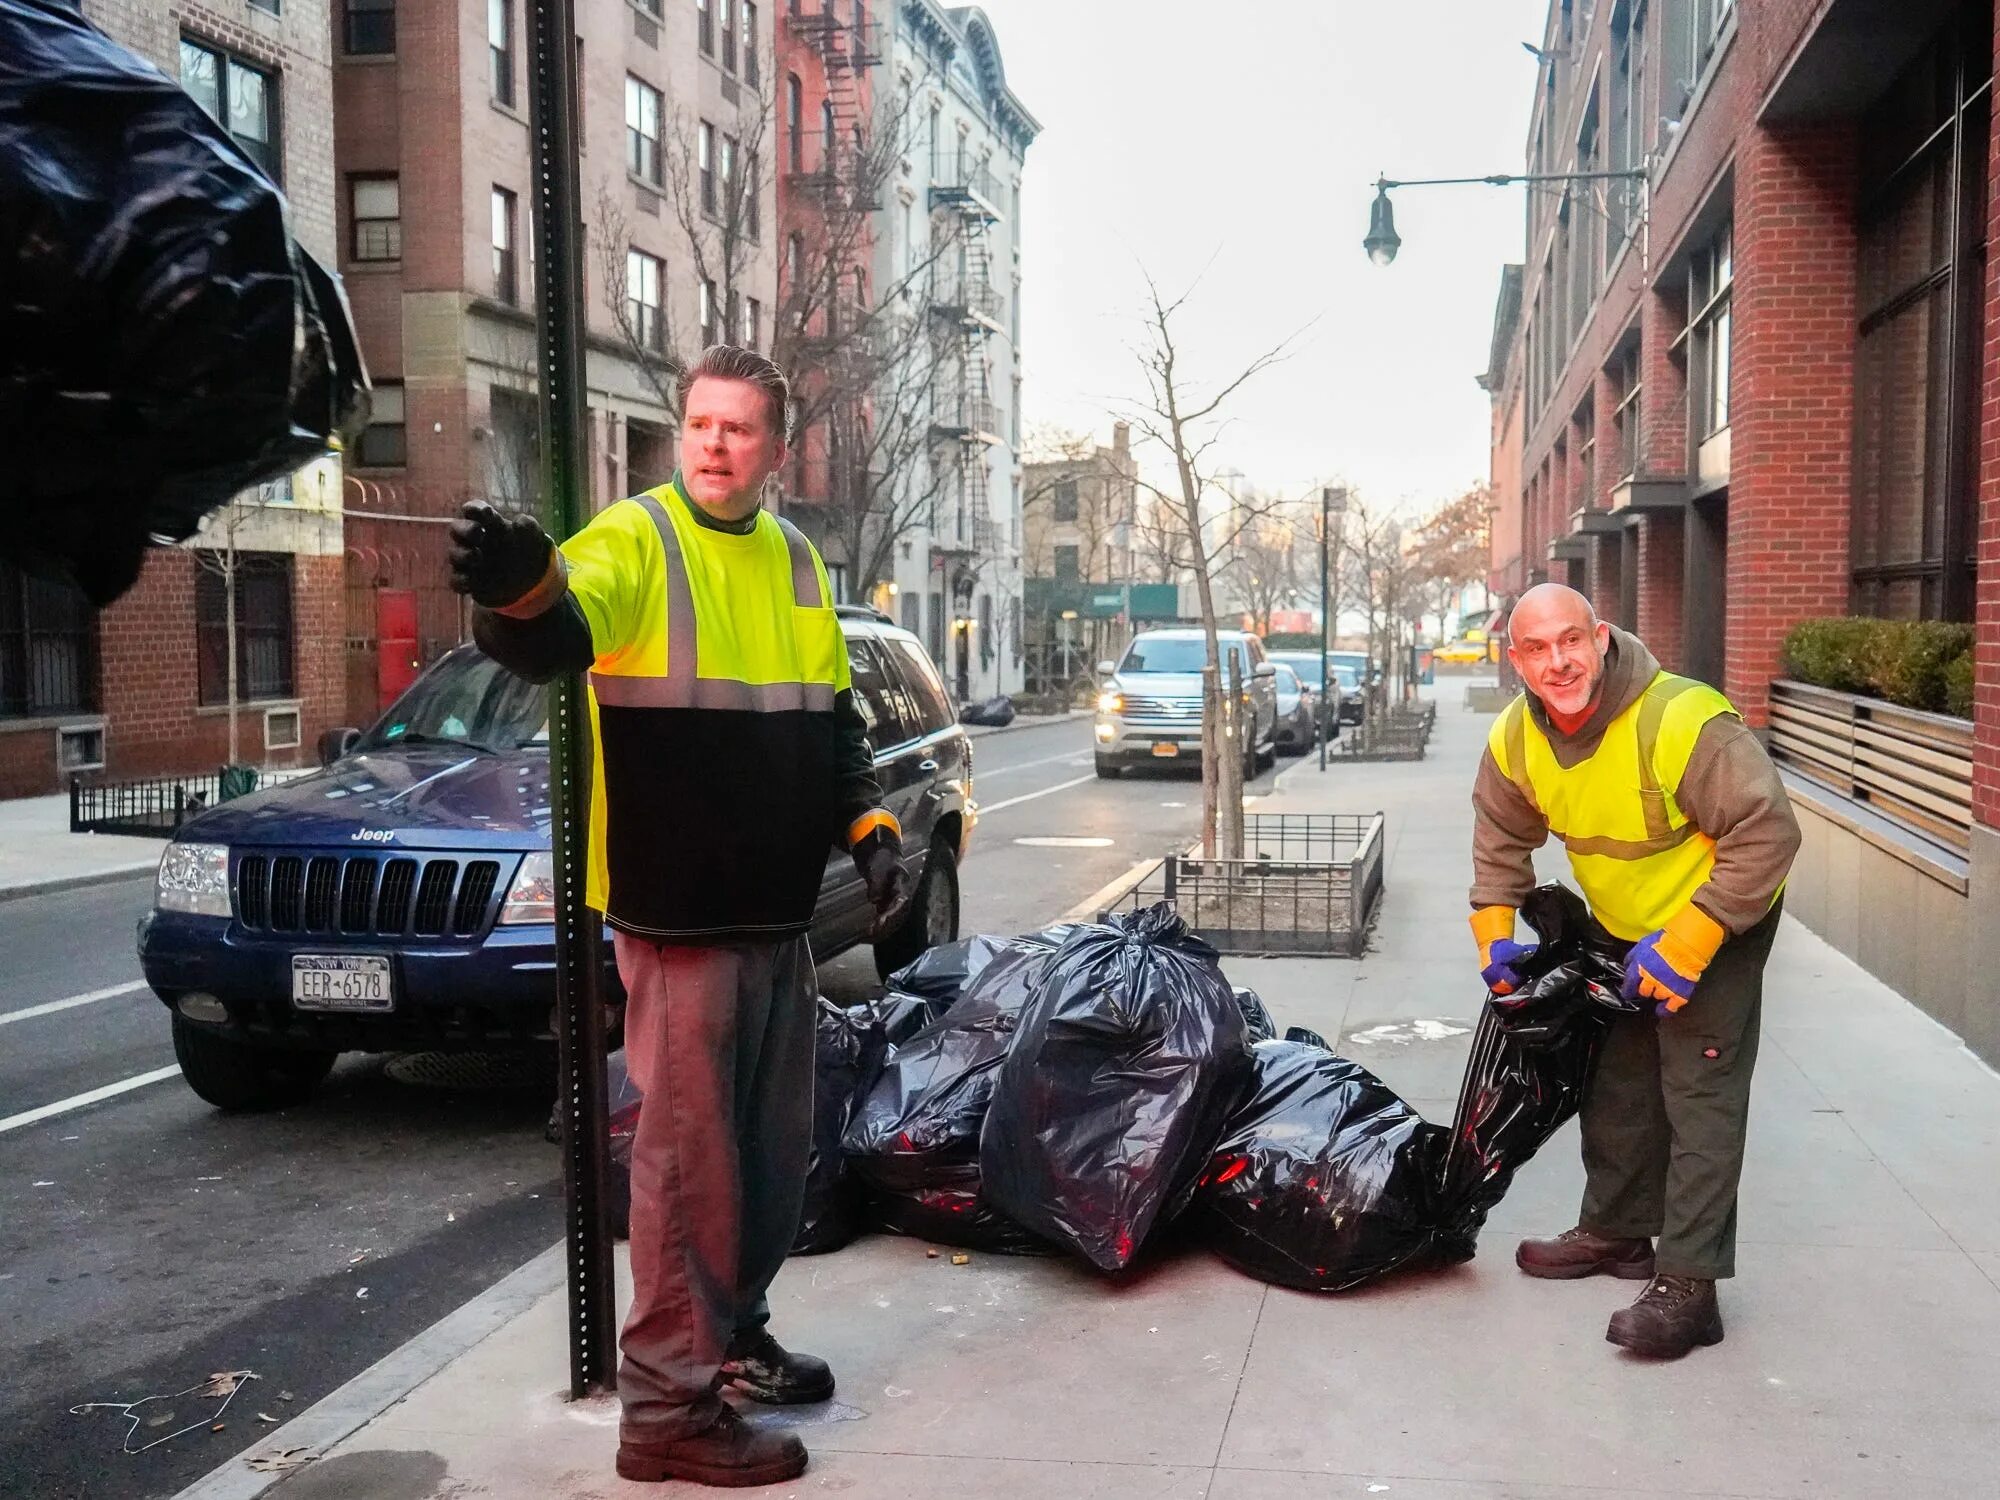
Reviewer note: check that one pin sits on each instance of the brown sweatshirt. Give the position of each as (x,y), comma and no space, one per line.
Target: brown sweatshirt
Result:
(1730,791)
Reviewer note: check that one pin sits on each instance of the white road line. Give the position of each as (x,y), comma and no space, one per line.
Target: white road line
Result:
(980,773)
(72,1003)
(78,1101)
(1047,791)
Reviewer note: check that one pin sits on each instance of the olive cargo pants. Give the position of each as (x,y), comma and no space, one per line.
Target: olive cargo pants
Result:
(720,1042)
(1665,1119)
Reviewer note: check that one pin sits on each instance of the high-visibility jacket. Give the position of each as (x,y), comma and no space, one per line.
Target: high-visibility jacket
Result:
(1631,848)
(714,808)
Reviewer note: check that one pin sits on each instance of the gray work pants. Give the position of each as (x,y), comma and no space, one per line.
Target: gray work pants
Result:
(720,1042)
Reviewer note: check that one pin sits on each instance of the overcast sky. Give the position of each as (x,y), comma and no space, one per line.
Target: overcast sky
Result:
(1243,138)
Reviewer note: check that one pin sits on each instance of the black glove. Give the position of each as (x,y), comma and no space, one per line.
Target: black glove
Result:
(495,558)
(879,859)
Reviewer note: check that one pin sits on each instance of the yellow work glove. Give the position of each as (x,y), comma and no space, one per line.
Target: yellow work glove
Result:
(1665,966)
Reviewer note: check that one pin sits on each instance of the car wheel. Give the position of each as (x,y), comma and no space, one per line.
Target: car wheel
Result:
(1108,770)
(240,1076)
(932,918)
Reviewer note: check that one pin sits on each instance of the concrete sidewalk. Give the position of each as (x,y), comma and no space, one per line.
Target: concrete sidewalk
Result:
(39,854)
(1864,1331)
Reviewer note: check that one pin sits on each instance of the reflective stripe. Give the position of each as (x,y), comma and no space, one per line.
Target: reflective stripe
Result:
(682,686)
(1652,710)
(868,822)
(712,692)
(806,591)
(1610,848)
(1516,730)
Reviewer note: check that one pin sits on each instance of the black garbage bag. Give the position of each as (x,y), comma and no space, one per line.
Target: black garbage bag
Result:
(164,340)
(1130,1055)
(1533,1053)
(1310,1037)
(1256,1015)
(995,713)
(941,974)
(1324,1179)
(849,1049)
(918,1125)
(953,1214)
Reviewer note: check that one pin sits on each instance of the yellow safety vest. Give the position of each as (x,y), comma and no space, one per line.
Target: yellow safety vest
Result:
(1631,848)
(713,808)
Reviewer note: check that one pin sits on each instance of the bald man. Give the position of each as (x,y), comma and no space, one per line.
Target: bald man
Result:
(1681,836)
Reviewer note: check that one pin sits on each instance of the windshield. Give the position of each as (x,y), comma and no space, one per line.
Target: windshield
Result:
(1288,680)
(466,699)
(1177,654)
(1306,664)
(1345,675)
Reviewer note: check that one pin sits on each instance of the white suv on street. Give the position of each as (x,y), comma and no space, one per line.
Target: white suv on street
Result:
(1149,705)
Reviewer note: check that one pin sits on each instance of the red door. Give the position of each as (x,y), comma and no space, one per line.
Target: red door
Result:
(395,642)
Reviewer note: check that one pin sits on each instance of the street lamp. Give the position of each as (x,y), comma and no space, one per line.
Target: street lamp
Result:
(1383,242)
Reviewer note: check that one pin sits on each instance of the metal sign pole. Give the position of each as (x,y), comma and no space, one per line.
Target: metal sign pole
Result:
(559,319)
(1332,509)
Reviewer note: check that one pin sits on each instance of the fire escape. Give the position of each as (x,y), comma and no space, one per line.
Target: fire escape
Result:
(966,311)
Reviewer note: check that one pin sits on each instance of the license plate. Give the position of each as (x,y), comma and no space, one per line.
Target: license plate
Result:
(1165,749)
(341,981)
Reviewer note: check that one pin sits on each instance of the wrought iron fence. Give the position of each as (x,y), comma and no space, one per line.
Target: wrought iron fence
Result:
(1398,732)
(1307,886)
(157,807)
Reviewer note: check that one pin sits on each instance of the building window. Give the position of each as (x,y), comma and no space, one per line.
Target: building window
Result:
(500,50)
(1922,254)
(384,443)
(48,647)
(794,123)
(752,73)
(1627,115)
(642,130)
(375,218)
(643,277)
(728,34)
(1068,570)
(753,195)
(732,208)
(705,139)
(828,136)
(1691,30)
(263,627)
(506,284)
(753,324)
(1066,509)
(710,333)
(705,25)
(1709,281)
(371,27)
(937,142)
(1625,417)
(240,96)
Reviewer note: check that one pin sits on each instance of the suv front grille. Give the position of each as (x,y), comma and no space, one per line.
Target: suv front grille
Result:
(1183,709)
(364,895)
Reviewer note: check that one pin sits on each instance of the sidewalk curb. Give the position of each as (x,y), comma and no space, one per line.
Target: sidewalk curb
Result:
(1040,722)
(344,1411)
(1103,899)
(76,882)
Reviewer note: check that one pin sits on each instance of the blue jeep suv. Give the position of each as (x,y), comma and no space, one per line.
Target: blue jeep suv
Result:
(400,898)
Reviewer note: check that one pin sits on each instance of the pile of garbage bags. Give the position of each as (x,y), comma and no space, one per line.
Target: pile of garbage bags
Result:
(164,340)
(1077,1090)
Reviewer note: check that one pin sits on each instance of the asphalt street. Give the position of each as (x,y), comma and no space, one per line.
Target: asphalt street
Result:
(148,1241)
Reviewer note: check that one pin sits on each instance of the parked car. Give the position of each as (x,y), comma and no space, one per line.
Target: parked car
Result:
(1149,703)
(1461,653)
(402,897)
(1298,711)
(1347,668)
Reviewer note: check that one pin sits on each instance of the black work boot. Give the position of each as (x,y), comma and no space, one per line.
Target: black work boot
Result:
(1579,1252)
(760,1367)
(1673,1315)
(731,1454)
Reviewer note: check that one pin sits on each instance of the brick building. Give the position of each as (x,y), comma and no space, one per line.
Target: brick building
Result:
(436,245)
(141,688)
(1079,518)
(1761,383)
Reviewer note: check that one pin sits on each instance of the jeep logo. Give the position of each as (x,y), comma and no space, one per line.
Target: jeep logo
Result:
(372,836)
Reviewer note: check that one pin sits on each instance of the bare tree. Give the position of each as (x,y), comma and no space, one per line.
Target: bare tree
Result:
(1183,416)
(1265,568)
(1453,549)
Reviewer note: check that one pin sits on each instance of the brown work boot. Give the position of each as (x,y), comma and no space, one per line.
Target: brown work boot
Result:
(1578,1252)
(731,1454)
(1672,1316)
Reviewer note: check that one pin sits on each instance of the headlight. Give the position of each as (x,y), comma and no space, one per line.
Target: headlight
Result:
(194,879)
(532,896)
(1110,703)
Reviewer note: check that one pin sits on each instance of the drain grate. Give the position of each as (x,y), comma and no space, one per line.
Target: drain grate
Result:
(470,1070)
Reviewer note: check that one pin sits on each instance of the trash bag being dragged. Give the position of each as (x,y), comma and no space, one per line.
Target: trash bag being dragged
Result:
(1532,1056)
(164,341)
(1324,1179)
(1130,1055)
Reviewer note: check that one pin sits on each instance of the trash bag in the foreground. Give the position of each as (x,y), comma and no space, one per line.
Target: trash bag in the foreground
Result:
(164,340)
(1131,1052)
(942,973)
(847,1052)
(1324,1179)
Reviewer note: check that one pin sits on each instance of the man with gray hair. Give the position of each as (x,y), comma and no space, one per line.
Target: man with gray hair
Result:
(1681,835)
(730,758)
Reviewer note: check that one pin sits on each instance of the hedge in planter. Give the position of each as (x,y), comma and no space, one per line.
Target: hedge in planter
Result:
(1910,662)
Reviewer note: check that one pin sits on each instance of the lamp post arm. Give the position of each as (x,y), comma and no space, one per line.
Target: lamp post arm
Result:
(1509,179)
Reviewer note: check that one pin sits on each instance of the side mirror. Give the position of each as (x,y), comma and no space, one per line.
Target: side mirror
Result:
(335,743)
(1264,669)
(1106,668)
